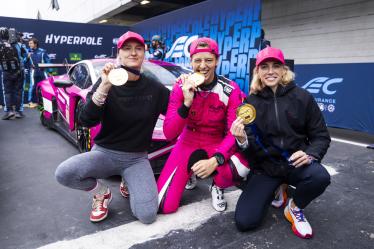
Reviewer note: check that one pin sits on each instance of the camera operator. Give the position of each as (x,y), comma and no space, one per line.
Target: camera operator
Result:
(12,58)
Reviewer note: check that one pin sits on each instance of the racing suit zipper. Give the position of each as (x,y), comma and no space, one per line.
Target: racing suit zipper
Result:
(277,118)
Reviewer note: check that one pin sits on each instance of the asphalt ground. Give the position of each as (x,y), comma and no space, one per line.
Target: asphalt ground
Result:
(38,212)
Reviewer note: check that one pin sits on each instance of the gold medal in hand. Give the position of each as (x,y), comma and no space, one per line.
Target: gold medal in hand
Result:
(247,112)
(197,78)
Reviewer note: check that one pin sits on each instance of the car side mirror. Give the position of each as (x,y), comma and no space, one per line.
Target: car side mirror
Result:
(63,83)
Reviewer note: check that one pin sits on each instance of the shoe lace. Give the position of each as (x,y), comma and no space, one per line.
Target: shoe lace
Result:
(219,193)
(299,215)
(98,202)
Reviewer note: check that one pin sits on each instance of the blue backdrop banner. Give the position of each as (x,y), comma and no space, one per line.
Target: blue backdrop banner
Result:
(235,25)
(344,93)
(73,41)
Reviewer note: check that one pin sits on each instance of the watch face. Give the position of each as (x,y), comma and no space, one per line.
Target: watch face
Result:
(220,159)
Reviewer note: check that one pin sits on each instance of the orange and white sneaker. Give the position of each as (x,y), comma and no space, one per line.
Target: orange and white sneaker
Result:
(280,199)
(124,190)
(100,206)
(300,225)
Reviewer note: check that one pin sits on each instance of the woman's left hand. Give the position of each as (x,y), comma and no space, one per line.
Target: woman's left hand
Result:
(300,158)
(205,168)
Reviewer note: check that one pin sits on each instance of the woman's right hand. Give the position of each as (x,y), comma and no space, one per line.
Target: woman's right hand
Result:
(188,88)
(237,130)
(105,71)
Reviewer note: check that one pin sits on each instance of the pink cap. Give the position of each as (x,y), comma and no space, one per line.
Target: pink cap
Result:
(212,46)
(129,35)
(269,53)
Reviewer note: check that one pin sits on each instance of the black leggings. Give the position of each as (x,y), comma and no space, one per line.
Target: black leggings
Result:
(310,182)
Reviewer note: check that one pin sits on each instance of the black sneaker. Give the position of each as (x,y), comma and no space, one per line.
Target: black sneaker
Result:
(19,115)
(8,115)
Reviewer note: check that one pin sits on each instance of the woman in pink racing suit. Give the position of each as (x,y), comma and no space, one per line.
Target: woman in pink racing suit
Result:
(201,116)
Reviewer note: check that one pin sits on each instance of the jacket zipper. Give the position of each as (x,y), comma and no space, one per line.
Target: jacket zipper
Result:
(277,118)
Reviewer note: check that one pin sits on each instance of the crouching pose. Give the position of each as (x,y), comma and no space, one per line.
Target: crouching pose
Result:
(202,116)
(127,114)
(285,144)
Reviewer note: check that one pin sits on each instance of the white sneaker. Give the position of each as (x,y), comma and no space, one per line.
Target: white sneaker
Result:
(218,200)
(100,206)
(300,225)
(124,190)
(280,198)
(191,183)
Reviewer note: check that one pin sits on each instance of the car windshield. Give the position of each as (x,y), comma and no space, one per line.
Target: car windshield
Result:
(164,73)
(99,64)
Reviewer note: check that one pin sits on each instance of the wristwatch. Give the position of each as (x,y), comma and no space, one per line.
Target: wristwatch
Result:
(220,158)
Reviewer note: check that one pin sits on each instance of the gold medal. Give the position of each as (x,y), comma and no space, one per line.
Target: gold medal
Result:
(118,76)
(247,112)
(197,78)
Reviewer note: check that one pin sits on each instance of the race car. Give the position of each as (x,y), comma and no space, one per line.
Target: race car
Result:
(62,97)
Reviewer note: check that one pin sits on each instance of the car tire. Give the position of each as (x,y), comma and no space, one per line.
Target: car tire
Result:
(39,97)
(43,120)
(83,133)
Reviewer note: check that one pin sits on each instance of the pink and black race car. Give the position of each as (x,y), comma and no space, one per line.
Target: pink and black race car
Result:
(62,97)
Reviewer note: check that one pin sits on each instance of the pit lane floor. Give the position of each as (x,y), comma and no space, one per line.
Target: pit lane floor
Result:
(37,212)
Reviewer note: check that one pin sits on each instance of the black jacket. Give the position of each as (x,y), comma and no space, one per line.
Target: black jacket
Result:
(289,120)
(128,116)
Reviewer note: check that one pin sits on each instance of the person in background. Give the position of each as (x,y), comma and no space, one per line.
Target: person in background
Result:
(201,117)
(285,144)
(128,115)
(35,56)
(22,46)
(156,52)
(12,62)
(1,89)
(263,42)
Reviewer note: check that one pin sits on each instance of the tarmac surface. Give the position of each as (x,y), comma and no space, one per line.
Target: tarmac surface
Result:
(38,212)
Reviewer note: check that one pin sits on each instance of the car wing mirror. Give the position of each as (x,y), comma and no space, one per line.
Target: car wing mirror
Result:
(62,83)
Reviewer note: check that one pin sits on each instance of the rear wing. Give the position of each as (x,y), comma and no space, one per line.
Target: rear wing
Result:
(54,65)
(65,65)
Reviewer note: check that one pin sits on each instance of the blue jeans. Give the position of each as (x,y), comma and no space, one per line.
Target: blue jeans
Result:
(13,88)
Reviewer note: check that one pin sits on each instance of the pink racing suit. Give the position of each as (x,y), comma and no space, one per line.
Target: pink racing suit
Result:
(203,132)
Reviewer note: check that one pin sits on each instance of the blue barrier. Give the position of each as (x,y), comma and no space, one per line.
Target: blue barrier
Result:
(344,93)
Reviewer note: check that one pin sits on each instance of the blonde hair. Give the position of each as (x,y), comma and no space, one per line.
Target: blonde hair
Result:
(257,85)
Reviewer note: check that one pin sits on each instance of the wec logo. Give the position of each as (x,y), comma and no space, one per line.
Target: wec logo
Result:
(324,83)
(27,35)
(180,47)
